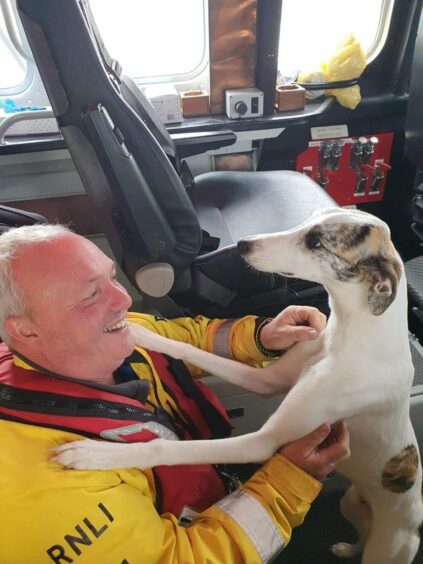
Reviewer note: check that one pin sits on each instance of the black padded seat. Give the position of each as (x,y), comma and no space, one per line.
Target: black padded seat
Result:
(170,234)
(414,152)
(13,217)
(232,205)
(414,274)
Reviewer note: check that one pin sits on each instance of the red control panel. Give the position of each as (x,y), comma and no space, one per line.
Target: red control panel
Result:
(352,170)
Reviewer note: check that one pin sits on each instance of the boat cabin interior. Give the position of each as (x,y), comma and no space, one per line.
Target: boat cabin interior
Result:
(167,131)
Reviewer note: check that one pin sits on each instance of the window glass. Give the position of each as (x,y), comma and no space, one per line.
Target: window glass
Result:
(164,38)
(311,30)
(13,67)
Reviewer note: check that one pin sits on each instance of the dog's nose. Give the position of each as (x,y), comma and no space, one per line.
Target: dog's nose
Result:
(244,246)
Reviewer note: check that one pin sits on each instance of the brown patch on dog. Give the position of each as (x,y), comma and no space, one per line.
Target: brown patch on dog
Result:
(400,472)
(370,240)
(363,252)
(381,268)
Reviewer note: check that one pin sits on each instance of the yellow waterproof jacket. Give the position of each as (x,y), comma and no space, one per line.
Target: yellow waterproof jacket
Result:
(50,514)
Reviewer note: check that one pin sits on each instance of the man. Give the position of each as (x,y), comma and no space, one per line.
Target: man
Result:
(64,316)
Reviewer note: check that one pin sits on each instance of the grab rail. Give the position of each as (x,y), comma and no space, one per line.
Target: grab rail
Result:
(15,117)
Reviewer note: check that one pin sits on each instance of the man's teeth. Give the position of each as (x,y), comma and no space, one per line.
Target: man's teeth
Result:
(116,326)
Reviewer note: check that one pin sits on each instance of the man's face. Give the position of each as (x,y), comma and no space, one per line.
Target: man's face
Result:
(77,309)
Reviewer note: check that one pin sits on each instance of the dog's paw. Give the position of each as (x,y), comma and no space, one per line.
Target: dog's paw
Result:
(345,549)
(93,455)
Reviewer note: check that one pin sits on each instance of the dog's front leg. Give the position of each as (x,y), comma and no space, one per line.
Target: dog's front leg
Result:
(154,342)
(273,378)
(260,381)
(299,414)
(312,402)
(304,410)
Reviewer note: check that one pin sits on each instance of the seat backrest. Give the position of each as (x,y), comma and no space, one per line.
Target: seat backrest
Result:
(143,107)
(414,119)
(129,90)
(12,217)
(142,204)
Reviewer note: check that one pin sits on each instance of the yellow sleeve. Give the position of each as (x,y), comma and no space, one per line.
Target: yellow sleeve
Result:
(266,509)
(233,338)
(89,520)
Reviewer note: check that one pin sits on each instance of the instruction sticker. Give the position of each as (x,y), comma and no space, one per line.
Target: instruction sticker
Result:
(329,132)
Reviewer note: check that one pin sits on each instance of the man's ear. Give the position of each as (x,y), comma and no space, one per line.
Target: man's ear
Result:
(383,274)
(20,329)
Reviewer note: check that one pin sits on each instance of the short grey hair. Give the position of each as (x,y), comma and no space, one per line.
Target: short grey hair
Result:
(12,242)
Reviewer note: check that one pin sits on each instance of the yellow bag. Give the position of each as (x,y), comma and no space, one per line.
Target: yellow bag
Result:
(348,61)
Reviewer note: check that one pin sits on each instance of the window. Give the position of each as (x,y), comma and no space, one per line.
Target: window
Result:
(310,31)
(154,41)
(13,66)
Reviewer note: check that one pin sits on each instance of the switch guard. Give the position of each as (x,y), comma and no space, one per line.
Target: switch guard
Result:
(337,175)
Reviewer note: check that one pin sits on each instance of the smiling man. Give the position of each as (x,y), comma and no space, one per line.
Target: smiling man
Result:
(70,369)
(76,322)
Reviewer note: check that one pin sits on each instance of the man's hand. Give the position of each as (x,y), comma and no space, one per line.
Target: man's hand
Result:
(319,452)
(293,324)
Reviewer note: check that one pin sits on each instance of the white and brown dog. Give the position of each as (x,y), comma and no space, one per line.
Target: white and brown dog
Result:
(359,370)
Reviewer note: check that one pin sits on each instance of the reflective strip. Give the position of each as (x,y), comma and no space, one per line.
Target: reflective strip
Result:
(152,426)
(221,344)
(256,523)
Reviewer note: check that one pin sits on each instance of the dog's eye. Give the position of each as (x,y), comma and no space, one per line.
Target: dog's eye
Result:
(312,241)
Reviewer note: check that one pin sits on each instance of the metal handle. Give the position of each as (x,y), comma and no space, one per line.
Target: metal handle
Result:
(10,119)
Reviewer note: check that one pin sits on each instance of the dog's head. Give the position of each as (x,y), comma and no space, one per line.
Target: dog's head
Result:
(333,245)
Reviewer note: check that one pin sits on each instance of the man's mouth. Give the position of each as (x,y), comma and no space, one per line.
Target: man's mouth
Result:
(116,326)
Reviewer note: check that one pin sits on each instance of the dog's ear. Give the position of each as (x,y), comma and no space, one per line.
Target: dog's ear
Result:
(382,273)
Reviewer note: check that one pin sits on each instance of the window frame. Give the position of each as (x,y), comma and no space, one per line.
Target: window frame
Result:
(382,30)
(8,9)
(381,35)
(191,78)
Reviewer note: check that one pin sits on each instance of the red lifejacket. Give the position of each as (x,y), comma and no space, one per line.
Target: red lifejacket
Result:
(46,400)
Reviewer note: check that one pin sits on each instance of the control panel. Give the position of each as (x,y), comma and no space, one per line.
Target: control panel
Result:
(352,170)
(244,103)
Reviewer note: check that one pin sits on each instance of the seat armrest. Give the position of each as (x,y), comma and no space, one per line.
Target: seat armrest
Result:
(188,144)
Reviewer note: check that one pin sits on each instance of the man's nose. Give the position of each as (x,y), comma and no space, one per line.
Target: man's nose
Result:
(120,297)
